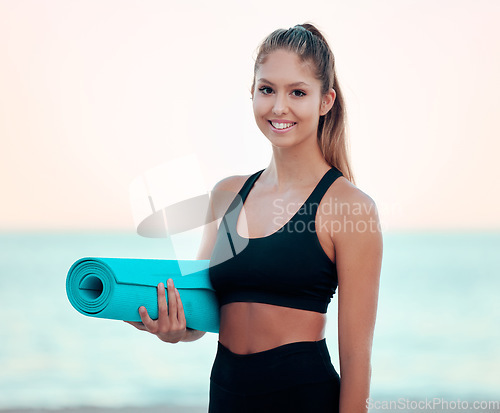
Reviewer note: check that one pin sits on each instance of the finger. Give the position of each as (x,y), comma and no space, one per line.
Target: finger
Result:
(162,302)
(172,301)
(146,320)
(163,321)
(180,309)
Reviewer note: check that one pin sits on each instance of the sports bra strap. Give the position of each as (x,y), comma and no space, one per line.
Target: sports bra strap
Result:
(245,189)
(313,200)
(317,194)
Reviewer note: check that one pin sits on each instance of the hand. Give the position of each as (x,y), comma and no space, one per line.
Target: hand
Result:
(171,323)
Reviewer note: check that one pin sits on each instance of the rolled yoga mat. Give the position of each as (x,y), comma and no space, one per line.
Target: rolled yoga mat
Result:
(115,288)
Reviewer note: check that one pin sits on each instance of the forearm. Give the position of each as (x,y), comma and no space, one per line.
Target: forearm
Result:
(355,386)
(192,335)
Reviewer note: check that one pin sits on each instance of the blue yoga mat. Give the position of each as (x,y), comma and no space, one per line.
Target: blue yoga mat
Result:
(115,288)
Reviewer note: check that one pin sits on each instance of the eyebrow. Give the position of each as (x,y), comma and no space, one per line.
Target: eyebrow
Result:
(290,85)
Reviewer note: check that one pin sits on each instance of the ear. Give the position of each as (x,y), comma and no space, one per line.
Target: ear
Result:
(327,102)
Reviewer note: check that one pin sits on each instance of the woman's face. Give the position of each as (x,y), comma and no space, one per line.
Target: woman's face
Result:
(287,99)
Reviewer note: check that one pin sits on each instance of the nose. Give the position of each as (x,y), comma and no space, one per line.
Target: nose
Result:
(280,106)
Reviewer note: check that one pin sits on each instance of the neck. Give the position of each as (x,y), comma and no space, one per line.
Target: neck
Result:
(301,165)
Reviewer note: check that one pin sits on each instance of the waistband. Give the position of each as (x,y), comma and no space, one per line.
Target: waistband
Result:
(270,370)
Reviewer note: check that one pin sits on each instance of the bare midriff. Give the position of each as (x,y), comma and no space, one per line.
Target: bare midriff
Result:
(247,327)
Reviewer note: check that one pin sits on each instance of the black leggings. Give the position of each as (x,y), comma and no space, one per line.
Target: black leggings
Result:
(294,377)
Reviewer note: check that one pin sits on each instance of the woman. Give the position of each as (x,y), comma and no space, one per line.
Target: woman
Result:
(293,232)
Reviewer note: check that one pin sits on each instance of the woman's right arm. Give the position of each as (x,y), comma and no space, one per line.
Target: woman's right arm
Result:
(220,198)
(171,323)
(204,252)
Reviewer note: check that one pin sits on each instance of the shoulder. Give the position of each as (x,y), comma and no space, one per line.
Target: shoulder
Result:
(352,214)
(220,198)
(349,198)
(224,192)
(231,183)
(230,186)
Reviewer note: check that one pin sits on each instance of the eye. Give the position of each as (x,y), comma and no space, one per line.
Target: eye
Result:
(301,93)
(265,90)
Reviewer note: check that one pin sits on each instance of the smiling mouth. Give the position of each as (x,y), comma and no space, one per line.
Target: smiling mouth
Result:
(282,126)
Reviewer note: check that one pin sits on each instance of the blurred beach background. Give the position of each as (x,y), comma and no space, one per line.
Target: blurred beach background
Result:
(437,331)
(96,97)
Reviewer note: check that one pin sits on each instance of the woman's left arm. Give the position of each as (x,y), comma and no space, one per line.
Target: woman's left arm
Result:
(358,254)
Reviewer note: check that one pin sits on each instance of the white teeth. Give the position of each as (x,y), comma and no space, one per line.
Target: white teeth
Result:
(282,125)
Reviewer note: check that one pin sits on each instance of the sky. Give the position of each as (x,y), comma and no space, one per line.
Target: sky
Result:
(99,99)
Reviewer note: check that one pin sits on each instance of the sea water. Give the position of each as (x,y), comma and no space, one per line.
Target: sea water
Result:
(437,332)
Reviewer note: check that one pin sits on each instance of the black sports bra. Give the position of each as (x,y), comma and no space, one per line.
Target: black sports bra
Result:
(287,268)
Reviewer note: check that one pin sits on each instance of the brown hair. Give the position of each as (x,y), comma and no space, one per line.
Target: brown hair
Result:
(310,45)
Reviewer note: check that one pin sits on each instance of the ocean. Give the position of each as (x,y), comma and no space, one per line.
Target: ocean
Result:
(437,333)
